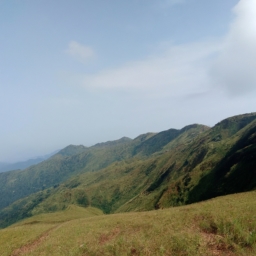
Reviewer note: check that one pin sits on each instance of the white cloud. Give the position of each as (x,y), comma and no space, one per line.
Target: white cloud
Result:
(81,52)
(227,64)
(235,66)
(179,70)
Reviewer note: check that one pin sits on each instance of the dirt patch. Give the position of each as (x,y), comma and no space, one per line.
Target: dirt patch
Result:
(104,238)
(31,246)
(216,245)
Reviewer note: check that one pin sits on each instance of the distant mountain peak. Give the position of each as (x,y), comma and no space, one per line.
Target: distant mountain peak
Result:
(113,142)
(72,150)
(233,124)
(191,126)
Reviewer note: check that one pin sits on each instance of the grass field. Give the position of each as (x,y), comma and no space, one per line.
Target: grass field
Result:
(221,226)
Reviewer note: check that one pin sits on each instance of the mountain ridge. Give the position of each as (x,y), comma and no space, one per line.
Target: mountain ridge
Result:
(138,175)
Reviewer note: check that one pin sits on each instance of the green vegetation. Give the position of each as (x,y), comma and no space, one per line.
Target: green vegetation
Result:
(69,162)
(72,212)
(185,166)
(31,231)
(57,206)
(221,226)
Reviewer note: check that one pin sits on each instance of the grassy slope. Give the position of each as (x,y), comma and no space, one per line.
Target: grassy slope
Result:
(69,162)
(206,228)
(31,229)
(109,188)
(219,161)
(183,172)
(227,167)
(70,213)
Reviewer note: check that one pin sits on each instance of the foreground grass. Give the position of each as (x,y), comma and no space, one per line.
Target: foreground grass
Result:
(221,226)
(71,213)
(31,230)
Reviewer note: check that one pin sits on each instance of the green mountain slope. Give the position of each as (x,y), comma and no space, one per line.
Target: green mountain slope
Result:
(196,163)
(160,140)
(72,150)
(68,162)
(206,168)
(172,177)
(236,172)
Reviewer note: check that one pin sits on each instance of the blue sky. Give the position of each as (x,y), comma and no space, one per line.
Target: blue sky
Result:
(82,72)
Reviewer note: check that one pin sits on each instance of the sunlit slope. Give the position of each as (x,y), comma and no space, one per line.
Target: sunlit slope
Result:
(70,213)
(173,176)
(31,231)
(68,162)
(73,160)
(159,141)
(107,189)
(221,226)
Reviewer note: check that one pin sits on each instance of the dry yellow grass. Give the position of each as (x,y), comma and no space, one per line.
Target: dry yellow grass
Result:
(221,226)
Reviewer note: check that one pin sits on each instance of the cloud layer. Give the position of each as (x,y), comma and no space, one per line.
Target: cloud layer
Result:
(227,65)
(234,69)
(179,70)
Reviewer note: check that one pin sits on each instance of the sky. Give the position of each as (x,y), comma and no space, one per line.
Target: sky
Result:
(89,71)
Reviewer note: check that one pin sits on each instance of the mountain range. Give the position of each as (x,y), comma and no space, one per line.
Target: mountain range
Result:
(21,165)
(153,171)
